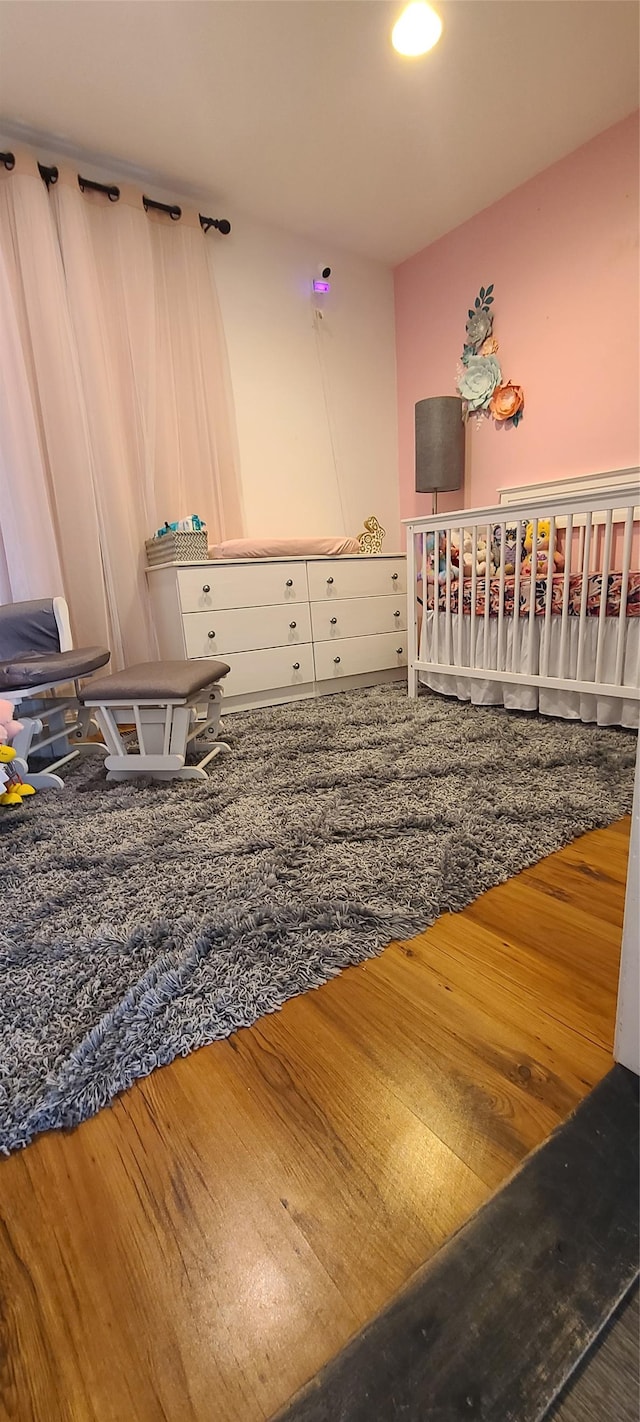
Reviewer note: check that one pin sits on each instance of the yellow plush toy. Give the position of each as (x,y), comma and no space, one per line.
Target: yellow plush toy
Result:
(14,788)
(542,550)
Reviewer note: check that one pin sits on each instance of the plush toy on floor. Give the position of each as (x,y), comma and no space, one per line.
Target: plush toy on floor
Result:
(12,787)
(542,550)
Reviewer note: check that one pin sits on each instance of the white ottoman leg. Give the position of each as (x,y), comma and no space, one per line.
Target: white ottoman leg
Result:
(164,727)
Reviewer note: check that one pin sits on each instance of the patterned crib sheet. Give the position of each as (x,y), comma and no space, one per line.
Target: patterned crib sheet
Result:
(594,593)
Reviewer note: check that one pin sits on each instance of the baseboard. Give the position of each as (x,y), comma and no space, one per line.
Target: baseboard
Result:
(283,696)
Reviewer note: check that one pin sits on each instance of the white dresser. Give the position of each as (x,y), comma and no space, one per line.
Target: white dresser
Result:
(289,628)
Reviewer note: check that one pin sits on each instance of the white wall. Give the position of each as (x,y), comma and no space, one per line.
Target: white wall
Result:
(315,400)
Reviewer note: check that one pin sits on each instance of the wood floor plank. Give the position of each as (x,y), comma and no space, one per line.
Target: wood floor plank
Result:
(202,1247)
(499,1024)
(520,982)
(493,1325)
(621,827)
(186,1239)
(479,1095)
(606,901)
(342,1138)
(566,932)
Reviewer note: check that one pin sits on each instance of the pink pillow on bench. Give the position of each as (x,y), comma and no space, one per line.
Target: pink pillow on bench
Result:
(284,548)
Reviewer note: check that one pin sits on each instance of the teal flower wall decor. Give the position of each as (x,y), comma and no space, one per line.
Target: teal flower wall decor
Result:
(478,381)
(479,323)
(479,374)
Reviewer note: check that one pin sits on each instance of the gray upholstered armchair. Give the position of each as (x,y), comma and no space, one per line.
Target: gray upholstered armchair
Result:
(38,660)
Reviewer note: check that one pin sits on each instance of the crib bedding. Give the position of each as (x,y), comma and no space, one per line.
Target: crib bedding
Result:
(469,650)
(593,598)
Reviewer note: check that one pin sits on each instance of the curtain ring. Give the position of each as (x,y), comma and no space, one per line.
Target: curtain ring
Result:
(48,175)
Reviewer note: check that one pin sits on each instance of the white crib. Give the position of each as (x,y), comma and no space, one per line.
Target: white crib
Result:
(566,643)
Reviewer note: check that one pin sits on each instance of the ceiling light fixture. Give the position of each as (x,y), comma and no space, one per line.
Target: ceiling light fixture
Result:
(417,30)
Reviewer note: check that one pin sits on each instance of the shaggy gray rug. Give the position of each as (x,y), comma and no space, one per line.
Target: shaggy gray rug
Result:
(141,921)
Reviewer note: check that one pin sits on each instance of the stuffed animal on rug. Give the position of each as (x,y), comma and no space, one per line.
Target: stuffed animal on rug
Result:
(9,727)
(542,551)
(12,787)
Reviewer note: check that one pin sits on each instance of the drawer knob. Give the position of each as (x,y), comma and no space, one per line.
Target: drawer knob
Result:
(396,614)
(206,588)
(336,660)
(394,577)
(329,580)
(399,651)
(211,635)
(289,583)
(292,625)
(333,621)
(296,666)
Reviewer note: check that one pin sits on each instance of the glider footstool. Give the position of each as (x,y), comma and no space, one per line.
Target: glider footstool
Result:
(169,703)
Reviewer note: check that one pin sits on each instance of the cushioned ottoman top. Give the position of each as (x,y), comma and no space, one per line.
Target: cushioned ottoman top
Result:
(154,681)
(27,669)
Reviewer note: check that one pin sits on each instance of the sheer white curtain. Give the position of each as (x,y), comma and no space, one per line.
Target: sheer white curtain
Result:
(127,395)
(48,526)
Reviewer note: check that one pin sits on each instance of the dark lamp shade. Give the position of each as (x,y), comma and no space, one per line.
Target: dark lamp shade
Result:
(439,444)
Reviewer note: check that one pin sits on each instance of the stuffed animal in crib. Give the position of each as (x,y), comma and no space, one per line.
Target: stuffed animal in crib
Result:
(485,566)
(542,550)
(442,554)
(513,546)
(467,552)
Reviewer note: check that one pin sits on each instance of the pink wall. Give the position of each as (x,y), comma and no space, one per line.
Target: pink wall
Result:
(562,251)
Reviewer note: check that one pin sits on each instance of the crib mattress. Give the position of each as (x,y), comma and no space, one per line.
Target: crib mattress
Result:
(593,597)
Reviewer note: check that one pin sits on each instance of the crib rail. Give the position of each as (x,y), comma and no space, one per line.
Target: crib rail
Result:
(549,608)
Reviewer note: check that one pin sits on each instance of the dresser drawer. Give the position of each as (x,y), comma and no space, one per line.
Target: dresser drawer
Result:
(241,585)
(245,629)
(357,617)
(356,577)
(268,670)
(353,655)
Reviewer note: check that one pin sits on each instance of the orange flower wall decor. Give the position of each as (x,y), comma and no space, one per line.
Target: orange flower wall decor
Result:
(506,402)
(480,382)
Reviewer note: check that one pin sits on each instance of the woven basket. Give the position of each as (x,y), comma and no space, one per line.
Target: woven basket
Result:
(178,548)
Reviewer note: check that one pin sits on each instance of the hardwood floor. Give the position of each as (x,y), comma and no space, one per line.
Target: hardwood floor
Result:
(198,1250)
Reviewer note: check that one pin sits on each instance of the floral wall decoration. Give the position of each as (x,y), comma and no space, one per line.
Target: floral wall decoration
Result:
(480,381)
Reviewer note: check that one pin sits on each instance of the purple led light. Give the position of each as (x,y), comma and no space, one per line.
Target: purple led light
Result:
(321,286)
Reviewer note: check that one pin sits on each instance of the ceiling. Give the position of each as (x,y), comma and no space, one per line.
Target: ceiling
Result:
(300,113)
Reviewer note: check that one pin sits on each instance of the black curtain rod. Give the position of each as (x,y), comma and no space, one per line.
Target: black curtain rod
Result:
(175,212)
(50,176)
(87,185)
(222,224)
